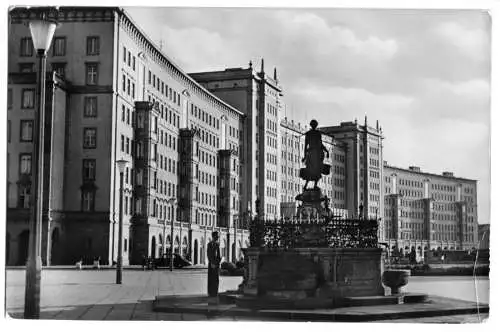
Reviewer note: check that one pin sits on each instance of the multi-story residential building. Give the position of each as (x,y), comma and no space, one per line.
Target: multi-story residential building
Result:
(362,167)
(205,151)
(426,212)
(120,98)
(258,96)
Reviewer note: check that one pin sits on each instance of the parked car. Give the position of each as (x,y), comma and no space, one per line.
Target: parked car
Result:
(179,261)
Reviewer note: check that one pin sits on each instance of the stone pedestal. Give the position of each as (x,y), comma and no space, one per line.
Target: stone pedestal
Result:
(314,273)
(313,204)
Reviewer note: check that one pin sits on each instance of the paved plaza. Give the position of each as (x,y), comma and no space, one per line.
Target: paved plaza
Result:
(93,295)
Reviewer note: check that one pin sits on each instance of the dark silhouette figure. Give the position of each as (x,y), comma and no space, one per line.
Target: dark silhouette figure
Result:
(314,154)
(213,253)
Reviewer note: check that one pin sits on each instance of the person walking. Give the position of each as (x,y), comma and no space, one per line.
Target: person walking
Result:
(214,259)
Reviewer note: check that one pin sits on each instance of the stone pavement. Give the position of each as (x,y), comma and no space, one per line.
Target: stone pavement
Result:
(93,295)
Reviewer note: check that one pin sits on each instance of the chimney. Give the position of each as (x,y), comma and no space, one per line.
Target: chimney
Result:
(449,174)
(414,168)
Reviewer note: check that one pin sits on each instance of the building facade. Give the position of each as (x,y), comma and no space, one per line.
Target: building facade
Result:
(258,96)
(123,100)
(206,151)
(427,212)
(362,165)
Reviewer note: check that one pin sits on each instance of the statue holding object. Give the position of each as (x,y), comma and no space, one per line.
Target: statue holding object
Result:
(314,155)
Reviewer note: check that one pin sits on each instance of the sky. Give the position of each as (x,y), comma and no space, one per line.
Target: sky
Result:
(423,74)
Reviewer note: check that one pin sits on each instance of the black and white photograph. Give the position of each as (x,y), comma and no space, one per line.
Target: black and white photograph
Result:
(254,163)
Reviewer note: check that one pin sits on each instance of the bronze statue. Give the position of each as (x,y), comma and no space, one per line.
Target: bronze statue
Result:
(314,154)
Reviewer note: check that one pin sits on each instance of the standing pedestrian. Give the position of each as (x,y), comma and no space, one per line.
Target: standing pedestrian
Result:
(214,259)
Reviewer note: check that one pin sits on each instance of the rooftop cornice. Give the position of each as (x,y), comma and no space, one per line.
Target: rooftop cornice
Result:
(429,174)
(162,58)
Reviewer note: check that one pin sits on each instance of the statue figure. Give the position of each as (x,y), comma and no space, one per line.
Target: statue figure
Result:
(314,154)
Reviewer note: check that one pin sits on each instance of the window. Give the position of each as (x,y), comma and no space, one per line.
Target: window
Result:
(26,67)
(9,98)
(8,130)
(26,131)
(129,59)
(89,138)
(28,98)
(59,46)
(59,68)
(128,116)
(93,45)
(133,90)
(23,201)
(90,107)
(92,74)
(133,63)
(25,163)
(88,169)
(124,83)
(88,200)
(26,47)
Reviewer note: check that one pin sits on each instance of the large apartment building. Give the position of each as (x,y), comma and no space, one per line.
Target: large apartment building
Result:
(206,151)
(363,165)
(258,96)
(116,96)
(426,212)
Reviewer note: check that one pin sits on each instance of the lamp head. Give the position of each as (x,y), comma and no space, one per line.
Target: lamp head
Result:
(42,33)
(121,165)
(42,26)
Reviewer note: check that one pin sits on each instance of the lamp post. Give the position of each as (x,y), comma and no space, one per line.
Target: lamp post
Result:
(119,261)
(42,30)
(171,202)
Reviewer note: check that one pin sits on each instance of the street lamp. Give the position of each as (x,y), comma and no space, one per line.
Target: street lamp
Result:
(119,262)
(42,30)
(171,202)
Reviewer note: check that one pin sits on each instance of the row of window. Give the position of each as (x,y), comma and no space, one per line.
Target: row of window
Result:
(271,209)
(339,157)
(443,187)
(374,150)
(168,140)
(339,170)
(210,120)
(291,156)
(374,162)
(128,58)
(291,143)
(272,110)
(272,142)
(271,175)
(169,93)
(271,192)
(59,46)
(128,86)
(271,158)
(272,125)
(339,182)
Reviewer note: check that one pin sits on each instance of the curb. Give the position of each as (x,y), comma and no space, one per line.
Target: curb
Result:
(308,315)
